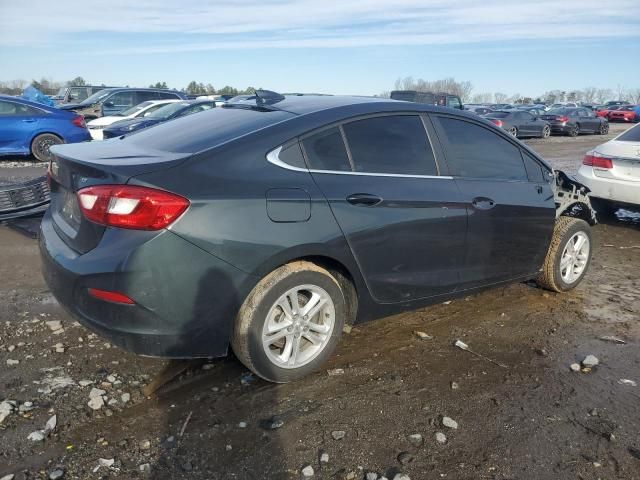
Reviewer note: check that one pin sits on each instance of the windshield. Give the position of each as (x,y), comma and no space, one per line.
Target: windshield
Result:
(96,97)
(168,110)
(631,135)
(134,110)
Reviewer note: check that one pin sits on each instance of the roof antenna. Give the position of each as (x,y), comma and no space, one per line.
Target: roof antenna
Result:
(267,97)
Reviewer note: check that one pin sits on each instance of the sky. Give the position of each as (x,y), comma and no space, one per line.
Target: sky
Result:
(328,46)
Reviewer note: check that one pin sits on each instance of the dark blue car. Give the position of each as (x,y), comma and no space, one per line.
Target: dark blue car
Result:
(28,128)
(163,114)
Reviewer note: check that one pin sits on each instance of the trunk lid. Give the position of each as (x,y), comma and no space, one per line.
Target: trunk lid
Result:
(625,157)
(76,166)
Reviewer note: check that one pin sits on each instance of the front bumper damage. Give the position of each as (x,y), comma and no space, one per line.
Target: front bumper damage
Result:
(572,199)
(25,199)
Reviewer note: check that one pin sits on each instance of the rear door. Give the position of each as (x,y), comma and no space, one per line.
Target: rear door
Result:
(510,216)
(587,120)
(402,219)
(17,124)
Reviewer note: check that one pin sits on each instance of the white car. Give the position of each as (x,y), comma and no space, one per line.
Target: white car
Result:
(141,110)
(612,171)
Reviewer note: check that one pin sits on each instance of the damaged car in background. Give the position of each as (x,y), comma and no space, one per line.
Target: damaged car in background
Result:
(292,216)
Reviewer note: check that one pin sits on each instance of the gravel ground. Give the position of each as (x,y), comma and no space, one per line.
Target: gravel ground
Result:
(380,404)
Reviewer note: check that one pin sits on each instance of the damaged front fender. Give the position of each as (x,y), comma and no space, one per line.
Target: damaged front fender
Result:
(24,199)
(572,199)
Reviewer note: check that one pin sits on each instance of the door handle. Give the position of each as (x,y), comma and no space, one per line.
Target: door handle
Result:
(539,189)
(483,203)
(364,199)
(29,120)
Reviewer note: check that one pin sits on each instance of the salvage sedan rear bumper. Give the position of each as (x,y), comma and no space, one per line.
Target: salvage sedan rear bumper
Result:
(185,300)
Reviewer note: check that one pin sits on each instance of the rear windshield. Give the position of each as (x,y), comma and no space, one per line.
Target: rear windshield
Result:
(498,115)
(195,133)
(631,135)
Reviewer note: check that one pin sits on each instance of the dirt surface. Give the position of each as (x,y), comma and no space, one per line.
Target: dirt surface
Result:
(534,419)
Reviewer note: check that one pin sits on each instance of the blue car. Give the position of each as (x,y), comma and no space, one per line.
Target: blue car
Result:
(28,128)
(163,114)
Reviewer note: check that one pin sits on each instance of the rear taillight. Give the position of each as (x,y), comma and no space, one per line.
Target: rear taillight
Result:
(108,296)
(562,118)
(497,122)
(598,162)
(128,206)
(79,121)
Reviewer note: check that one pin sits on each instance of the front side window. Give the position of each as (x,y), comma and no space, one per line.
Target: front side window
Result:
(454,102)
(394,144)
(78,94)
(326,151)
(476,152)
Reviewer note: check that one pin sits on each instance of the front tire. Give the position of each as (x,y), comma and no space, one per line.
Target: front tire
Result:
(290,323)
(568,257)
(42,143)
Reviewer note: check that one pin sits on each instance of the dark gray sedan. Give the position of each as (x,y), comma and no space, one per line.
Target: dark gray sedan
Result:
(267,226)
(574,121)
(520,123)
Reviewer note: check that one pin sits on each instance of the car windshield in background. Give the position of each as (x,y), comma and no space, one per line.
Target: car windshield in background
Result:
(96,97)
(134,110)
(211,128)
(497,115)
(168,110)
(631,135)
(61,92)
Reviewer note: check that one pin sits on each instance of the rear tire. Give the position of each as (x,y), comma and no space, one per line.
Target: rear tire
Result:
(42,143)
(513,131)
(604,128)
(546,132)
(273,335)
(569,255)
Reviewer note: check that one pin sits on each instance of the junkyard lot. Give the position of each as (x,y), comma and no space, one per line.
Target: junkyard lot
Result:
(534,419)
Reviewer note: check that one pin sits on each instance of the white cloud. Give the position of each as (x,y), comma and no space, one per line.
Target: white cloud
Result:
(193,25)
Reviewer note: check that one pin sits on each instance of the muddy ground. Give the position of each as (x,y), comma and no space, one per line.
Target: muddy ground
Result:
(534,419)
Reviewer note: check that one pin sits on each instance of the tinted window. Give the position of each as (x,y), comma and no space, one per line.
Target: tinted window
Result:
(454,102)
(534,169)
(11,109)
(326,151)
(476,152)
(292,155)
(631,135)
(122,99)
(498,115)
(147,96)
(164,95)
(390,144)
(78,94)
(526,116)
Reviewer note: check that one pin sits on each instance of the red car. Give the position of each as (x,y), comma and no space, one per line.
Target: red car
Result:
(605,111)
(624,114)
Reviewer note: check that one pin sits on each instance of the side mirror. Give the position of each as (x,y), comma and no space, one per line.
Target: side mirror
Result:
(109,104)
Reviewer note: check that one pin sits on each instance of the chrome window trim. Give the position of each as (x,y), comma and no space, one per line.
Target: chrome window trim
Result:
(273,158)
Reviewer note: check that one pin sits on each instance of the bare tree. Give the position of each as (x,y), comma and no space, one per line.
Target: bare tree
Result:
(590,94)
(482,98)
(633,95)
(620,92)
(603,95)
(445,85)
(500,97)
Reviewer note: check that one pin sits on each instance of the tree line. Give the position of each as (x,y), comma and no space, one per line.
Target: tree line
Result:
(51,87)
(464,90)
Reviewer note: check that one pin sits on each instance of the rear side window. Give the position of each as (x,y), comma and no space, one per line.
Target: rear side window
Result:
(292,155)
(476,152)
(534,169)
(631,135)
(395,144)
(326,151)
(166,95)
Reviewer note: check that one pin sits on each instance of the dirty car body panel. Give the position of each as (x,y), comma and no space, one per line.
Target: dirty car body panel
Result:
(258,199)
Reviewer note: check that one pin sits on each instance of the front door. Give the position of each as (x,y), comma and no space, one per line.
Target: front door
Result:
(510,217)
(404,222)
(17,124)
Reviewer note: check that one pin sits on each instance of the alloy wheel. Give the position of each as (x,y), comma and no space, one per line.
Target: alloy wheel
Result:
(298,326)
(574,258)
(546,131)
(513,131)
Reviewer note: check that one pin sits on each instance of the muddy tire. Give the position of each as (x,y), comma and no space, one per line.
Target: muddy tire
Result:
(40,146)
(568,257)
(290,323)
